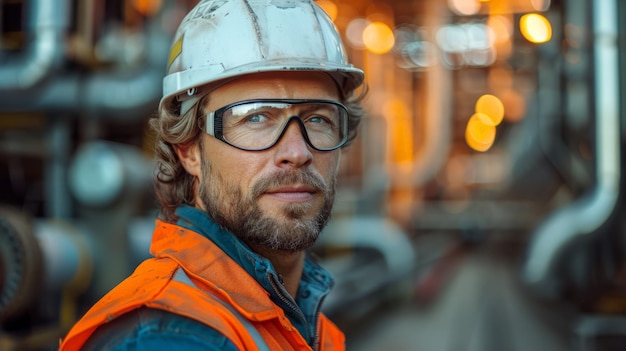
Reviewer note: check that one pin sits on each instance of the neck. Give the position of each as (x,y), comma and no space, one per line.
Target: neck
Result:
(288,265)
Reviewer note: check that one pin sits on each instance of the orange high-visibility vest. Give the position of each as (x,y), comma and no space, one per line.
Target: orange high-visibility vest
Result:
(216,281)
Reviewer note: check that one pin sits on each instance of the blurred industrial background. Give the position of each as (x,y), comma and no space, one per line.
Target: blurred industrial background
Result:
(480,209)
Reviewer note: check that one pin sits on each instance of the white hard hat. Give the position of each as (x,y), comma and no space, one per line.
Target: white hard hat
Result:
(222,39)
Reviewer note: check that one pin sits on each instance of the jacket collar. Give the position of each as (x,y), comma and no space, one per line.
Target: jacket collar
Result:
(253,283)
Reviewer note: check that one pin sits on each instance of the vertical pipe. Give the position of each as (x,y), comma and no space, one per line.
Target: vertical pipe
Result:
(1,25)
(587,214)
(56,163)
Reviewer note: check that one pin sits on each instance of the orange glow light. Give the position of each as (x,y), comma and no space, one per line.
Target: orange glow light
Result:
(147,7)
(501,28)
(330,7)
(378,38)
(402,128)
(480,133)
(535,28)
(491,107)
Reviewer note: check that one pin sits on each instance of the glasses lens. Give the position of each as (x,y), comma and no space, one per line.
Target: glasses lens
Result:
(258,125)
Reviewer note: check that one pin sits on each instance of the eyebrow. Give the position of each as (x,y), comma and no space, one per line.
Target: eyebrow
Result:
(316,106)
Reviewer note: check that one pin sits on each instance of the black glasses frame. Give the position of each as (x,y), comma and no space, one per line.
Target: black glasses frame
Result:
(214,122)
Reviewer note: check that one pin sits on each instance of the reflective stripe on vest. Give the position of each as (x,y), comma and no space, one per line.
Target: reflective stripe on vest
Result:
(182,277)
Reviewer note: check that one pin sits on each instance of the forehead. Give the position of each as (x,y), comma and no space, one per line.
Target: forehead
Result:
(275,85)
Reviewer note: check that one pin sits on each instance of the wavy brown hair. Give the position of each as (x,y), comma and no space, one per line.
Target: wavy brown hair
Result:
(173,185)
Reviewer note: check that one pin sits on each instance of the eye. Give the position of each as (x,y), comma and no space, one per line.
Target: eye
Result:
(318,120)
(256,118)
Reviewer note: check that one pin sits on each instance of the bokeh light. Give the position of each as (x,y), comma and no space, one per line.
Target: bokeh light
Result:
(147,7)
(354,32)
(469,44)
(535,28)
(480,132)
(452,38)
(378,38)
(464,7)
(491,107)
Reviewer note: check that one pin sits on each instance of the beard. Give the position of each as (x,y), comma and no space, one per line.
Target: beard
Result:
(296,228)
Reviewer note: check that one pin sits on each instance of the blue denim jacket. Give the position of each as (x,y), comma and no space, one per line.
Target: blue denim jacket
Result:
(150,329)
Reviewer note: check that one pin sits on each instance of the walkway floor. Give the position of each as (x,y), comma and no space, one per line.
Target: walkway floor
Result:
(481,306)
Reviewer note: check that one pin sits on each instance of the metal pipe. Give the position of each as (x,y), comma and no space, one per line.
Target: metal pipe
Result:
(109,93)
(123,94)
(66,253)
(119,96)
(583,217)
(439,118)
(42,257)
(47,25)
(438,134)
(58,204)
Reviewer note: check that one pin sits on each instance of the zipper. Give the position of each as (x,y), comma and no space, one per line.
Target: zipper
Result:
(317,321)
(288,300)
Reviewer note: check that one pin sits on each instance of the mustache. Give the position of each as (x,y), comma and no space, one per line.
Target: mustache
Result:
(283,178)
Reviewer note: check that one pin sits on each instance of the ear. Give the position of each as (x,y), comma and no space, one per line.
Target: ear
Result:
(189,156)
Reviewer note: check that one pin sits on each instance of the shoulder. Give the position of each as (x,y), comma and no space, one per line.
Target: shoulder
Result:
(153,329)
(147,281)
(331,337)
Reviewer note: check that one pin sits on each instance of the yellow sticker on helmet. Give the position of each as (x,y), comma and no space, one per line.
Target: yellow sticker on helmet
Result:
(175,51)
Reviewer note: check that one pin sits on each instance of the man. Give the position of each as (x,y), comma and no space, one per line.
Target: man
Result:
(258,102)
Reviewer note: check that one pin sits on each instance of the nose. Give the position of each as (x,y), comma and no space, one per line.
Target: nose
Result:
(292,149)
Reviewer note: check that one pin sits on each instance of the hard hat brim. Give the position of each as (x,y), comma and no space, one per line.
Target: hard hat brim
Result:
(347,77)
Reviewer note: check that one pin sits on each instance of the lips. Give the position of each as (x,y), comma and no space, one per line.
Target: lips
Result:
(295,193)
(289,186)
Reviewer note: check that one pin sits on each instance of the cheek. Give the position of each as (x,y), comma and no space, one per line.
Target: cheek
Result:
(328,165)
(236,170)
(338,162)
